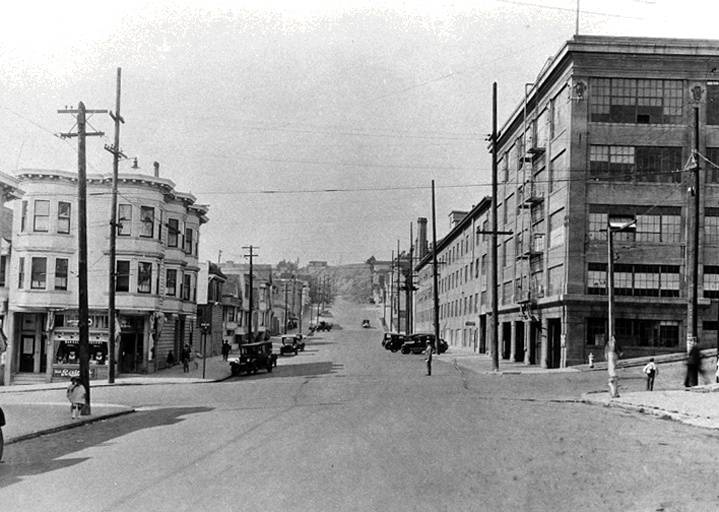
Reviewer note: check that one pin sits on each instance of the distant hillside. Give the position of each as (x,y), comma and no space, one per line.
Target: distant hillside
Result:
(353,281)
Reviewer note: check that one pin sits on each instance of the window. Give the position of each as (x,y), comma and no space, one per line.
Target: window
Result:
(171,282)
(713,104)
(23,216)
(63,217)
(712,171)
(173,230)
(21,273)
(61,273)
(38,273)
(147,221)
(124,221)
(659,164)
(188,240)
(556,229)
(596,327)
(597,279)
(3,269)
(186,286)
(646,280)
(627,100)
(41,220)
(122,276)
(144,277)
(556,280)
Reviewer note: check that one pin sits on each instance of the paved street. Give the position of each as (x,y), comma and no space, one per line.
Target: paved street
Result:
(347,425)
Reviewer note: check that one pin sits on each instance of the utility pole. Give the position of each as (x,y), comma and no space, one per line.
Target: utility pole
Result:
(693,335)
(494,324)
(285,329)
(410,286)
(111,313)
(250,332)
(294,282)
(83,313)
(398,286)
(391,294)
(435,281)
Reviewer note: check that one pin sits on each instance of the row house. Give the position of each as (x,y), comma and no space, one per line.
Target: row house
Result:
(211,311)
(607,130)
(156,270)
(261,307)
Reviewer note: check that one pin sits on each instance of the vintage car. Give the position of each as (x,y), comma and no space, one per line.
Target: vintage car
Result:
(324,326)
(254,357)
(393,341)
(417,343)
(291,344)
(366,324)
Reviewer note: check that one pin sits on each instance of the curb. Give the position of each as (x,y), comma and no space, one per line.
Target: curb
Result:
(156,382)
(67,426)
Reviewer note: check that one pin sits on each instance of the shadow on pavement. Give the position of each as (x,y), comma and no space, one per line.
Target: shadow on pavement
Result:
(48,452)
(307,369)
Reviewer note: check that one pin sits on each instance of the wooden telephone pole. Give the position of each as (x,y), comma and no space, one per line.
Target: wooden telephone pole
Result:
(250,332)
(83,324)
(111,313)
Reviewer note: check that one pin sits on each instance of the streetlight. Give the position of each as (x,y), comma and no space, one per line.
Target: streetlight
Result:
(615,224)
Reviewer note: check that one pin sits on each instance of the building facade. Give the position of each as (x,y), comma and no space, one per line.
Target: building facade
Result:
(156,274)
(605,131)
(261,306)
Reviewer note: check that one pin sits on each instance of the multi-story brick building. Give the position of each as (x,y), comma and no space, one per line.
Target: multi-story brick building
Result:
(156,273)
(607,129)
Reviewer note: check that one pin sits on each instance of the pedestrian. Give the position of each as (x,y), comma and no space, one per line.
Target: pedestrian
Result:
(428,357)
(2,439)
(694,361)
(651,371)
(717,372)
(225,350)
(193,356)
(185,358)
(76,396)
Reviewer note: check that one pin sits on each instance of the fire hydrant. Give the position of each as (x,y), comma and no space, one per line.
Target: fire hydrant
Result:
(591,360)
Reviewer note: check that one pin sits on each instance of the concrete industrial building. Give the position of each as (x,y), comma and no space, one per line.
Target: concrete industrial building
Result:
(607,129)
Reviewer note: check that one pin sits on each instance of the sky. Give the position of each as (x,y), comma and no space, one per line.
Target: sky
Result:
(312,129)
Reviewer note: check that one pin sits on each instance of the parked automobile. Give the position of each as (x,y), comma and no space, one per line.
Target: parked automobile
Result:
(394,341)
(291,344)
(417,343)
(254,357)
(366,324)
(324,326)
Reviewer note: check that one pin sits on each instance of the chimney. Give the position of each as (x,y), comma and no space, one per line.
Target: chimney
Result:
(455,217)
(156,165)
(422,236)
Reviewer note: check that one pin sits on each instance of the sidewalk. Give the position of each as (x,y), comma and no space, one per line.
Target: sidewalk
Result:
(698,406)
(27,418)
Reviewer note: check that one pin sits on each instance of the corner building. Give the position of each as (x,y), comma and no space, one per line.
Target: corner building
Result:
(607,129)
(156,274)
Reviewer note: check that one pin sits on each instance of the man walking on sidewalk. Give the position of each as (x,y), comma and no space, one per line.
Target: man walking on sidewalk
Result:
(650,371)
(428,353)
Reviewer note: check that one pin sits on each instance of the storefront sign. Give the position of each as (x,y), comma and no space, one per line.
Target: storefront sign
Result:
(65,372)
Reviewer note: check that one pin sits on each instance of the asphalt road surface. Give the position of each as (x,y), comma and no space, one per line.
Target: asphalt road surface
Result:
(346,425)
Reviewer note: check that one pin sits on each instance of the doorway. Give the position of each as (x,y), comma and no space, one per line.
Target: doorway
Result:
(131,345)
(554,339)
(519,342)
(506,339)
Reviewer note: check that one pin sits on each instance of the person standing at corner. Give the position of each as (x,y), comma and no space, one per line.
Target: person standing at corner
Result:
(694,361)
(225,350)
(651,371)
(185,358)
(428,357)
(76,396)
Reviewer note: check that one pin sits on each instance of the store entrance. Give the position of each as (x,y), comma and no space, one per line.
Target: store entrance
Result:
(131,345)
